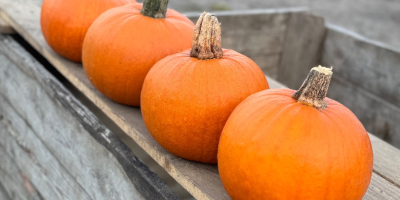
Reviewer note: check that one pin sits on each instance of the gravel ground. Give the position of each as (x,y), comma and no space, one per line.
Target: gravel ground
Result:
(375,19)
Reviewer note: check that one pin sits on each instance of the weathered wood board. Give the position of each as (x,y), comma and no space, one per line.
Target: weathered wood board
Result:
(13,183)
(303,43)
(367,63)
(366,80)
(58,144)
(3,194)
(201,180)
(376,191)
(386,160)
(27,156)
(378,115)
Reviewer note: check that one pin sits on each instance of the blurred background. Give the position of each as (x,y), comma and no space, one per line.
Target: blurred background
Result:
(377,20)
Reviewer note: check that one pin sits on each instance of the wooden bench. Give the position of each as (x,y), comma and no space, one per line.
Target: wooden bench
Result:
(53,147)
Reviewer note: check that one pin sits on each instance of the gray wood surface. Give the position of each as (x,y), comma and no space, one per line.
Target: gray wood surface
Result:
(369,64)
(13,183)
(377,114)
(27,155)
(59,144)
(386,160)
(5,28)
(367,80)
(380,189)
(301,51)
(201,180)
(4,194)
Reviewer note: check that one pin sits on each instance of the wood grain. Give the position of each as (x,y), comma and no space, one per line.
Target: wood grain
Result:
(14,183)
(369,64)
(201,180)
(378,115)
(96,159)
(379,188)
(386,160)
(301,51)
(366,80)
(34,161)
(3,193)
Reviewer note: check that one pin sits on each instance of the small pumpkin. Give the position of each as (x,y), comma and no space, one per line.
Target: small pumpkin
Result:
(65,22)
(282,144)
(125,42)
(187,97)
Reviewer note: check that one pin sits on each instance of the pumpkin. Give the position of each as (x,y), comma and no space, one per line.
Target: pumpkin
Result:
(282,144)
(187,97)
(65,22)
(125,42)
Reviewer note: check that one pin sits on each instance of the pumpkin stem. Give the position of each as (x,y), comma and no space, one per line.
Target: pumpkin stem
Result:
(314,89)
(206,42)
(156,9)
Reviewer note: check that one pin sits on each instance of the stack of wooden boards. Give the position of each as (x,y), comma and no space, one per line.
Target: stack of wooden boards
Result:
(55,148)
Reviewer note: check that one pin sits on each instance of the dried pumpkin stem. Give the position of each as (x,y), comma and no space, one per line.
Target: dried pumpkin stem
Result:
(206,42)
(314,89)
(155,8)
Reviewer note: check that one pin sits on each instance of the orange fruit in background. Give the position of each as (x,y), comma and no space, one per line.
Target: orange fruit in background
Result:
(65,22)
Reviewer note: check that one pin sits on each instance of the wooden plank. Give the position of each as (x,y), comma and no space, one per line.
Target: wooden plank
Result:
(3,193)
(378,116)
(201,180)
(301,51)
(386,160)
(380,189)
(269,65)
(102,165)
(5,28)
(369,64)
(369,71)
(33,160)
(13,182)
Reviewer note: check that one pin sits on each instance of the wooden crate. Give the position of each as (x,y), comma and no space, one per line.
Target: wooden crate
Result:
(367,80)
(53,147)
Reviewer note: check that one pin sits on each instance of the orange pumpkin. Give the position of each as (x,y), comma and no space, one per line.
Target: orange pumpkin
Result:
(125,42)
(282,144)
(187,97)
(65,22)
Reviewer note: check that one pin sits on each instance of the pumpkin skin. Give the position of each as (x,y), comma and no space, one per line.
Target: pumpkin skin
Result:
(186,101)
(65,22)
(273,147)
(122,45)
